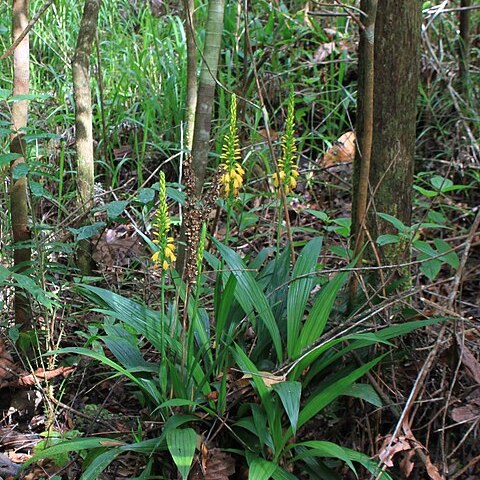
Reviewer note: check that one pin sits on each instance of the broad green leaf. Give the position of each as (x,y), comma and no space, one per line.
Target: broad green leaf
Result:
(127,354)
(319,214)
(20,170)
(298,292)
(4,273)
(176,195)
(73,446)
(318,448)
(260,469)
(322,307)
(144,384)
(7,158)
(431,268)
(87,231)
(424,191)
(290,394)
(441,183)
(327,395)
(116,208)
(347,453)
(249,368)
(398,224)
(182,443)
(38,190)
(364,391)
(281,474)
(145,195)
(260,426)
(358,341)
(224,299)
(100,463)
(425,248)
(450,256)
(249,294)
(387,239)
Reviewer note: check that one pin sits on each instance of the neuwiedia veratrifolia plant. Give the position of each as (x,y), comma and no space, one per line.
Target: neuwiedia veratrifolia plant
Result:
(188,389)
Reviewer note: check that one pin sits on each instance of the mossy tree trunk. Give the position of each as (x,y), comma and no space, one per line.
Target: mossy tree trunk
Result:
(19,192)
(396,61)
(83,122)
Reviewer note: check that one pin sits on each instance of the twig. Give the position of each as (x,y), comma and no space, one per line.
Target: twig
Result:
(30,25)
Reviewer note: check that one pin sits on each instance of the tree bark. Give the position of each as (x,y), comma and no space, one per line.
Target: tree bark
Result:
(364,126)
(397,41)
(206,91)
(83,121)
(201,132)
(18,191)
(191,101)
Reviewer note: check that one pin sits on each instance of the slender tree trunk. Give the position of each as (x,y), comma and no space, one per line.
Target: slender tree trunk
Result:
(189,6)
(83,121)
(18,192)
(364,134)
(206,91)
(201,132)
(397,41)
(364,127)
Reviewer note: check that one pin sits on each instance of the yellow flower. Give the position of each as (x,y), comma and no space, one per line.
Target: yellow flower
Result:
(232,176)
(287,165)
(165,255)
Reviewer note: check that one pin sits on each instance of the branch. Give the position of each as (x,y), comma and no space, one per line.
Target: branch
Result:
(30,25)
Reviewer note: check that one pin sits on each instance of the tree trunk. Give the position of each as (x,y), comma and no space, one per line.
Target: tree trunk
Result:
(201,132)
(18,192)
(191,101)
(206,91)
(83,121)
(364,126)
(397,41)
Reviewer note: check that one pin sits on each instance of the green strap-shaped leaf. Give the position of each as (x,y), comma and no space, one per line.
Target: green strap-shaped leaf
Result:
(318,316)
(290,393)
(181,444)
(249,294)
(261,469)
(299,291)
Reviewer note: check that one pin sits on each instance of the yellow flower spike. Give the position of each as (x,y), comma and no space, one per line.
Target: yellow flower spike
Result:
(165,255)
(287,165)
(232,178)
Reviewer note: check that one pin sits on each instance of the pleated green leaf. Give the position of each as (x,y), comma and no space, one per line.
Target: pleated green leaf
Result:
(322,307)
(181,444)
(298,292)
(249,294)
(261,469)
(290,394)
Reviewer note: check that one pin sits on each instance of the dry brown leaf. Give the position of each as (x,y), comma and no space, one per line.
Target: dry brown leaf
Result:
(401,444)
(268,378)
(432,470)
(342,151)
(219,465)
(406,465)
(117,247)
(470,411)
(323,52)
(472,364)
